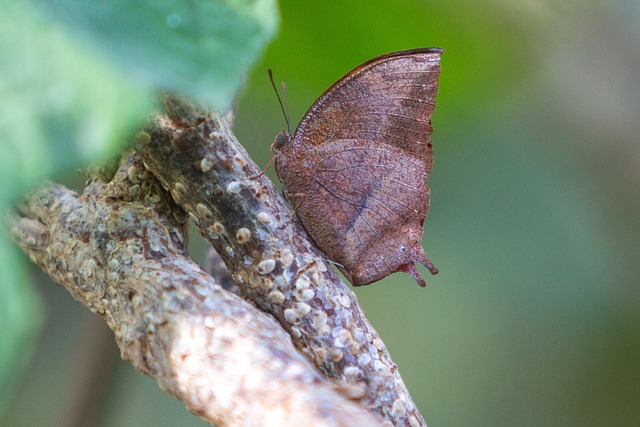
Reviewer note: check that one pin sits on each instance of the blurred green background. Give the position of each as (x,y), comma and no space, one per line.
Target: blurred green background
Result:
(534,318)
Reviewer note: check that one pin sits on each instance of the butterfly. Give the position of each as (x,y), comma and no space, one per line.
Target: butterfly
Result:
(356,168)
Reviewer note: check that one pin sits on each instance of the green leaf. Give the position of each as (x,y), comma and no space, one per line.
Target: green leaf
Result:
(76,83)
(62,105)
(202,48)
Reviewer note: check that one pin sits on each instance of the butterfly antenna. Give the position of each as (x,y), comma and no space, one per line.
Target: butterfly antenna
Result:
(286,107)
(283,107)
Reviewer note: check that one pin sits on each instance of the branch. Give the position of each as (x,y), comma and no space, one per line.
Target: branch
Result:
(209,174)
(120,250)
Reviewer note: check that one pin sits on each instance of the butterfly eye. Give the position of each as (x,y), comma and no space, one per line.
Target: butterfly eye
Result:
(282,139)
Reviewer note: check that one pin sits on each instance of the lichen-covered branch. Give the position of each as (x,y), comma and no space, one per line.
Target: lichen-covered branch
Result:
(119,248)
(209,174)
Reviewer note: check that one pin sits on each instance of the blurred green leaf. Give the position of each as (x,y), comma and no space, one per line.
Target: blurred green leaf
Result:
(202,48)
(65,103)
(62,105)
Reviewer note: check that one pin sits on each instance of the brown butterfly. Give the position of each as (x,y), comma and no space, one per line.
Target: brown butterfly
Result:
(356,168)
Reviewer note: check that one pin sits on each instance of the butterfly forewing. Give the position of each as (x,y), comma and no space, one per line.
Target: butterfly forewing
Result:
(389,100)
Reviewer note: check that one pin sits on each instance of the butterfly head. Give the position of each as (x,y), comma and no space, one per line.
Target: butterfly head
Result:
(281,141)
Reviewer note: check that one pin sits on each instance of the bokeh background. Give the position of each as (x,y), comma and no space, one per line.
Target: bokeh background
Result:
(534,224)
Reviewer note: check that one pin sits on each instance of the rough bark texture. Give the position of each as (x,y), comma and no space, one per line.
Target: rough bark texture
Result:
(120,250)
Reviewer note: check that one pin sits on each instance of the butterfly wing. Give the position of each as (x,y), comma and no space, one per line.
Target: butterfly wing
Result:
(357,168)
(388,99)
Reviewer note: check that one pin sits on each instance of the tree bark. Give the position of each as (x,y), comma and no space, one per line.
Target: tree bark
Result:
(120,250)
